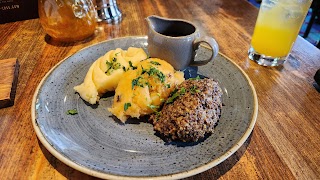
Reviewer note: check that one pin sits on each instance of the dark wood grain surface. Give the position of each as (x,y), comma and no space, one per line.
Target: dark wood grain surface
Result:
(284,143)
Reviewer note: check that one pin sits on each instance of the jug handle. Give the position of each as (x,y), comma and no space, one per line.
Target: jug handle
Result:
(209,41)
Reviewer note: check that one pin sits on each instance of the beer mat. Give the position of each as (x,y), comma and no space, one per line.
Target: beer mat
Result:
(8,81)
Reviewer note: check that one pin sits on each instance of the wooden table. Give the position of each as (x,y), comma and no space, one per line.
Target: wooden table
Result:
(284,144)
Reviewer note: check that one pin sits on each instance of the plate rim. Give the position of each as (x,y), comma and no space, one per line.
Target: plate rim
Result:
(179,175)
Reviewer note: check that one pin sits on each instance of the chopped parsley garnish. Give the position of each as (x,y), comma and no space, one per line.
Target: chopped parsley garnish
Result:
(155,72)
(139,81)
(196,78)
(175,94)
(154,107)
(72,112)
(133,67)
(168,85)
(152,71)
(109,64)
(143,70)
(113,65)
(182,91)
(126,106)
(194,89)
(155,63)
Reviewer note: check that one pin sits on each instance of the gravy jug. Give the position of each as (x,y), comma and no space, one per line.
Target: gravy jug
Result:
(176,41)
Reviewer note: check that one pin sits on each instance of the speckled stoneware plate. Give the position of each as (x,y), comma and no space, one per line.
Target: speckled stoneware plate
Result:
(96,144)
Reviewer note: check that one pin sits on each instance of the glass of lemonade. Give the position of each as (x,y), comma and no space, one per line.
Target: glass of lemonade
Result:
(277,28)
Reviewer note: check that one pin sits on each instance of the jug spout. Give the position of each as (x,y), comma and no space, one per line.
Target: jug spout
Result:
(153,21)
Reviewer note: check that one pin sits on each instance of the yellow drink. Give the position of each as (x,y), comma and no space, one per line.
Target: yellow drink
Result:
(277,27)
(271,41)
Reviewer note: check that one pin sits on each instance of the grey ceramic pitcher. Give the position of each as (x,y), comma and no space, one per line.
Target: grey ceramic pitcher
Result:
(176,41)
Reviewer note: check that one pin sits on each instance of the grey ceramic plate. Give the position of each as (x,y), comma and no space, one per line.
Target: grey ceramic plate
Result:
(94,143)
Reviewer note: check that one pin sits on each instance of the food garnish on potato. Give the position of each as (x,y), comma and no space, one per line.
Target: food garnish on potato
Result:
(105,73)
(143,90)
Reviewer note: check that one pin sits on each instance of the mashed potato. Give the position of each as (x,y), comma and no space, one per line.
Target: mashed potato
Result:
(105,73)
(142,90)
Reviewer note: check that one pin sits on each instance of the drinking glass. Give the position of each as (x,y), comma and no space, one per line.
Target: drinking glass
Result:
(67,20)
(276,30)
